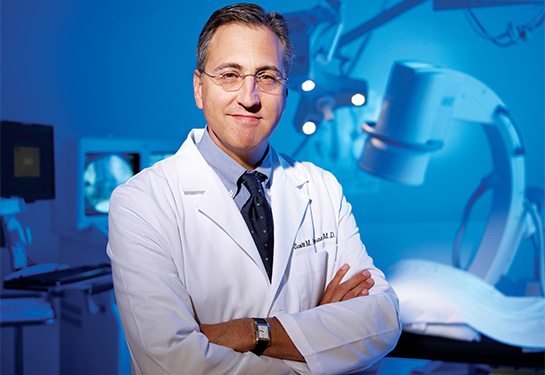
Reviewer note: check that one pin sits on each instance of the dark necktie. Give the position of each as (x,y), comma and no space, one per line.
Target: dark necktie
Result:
(258,216)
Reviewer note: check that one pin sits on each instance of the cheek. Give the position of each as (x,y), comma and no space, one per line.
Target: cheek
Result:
(216,100)
(281,106)
(274,104)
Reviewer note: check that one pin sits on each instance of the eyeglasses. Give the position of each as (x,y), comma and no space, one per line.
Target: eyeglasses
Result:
(266,81)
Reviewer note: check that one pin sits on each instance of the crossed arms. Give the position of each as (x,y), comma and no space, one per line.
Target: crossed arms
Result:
(238,334)
(164,292)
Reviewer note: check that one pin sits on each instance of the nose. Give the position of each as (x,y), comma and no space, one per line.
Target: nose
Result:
(248,95)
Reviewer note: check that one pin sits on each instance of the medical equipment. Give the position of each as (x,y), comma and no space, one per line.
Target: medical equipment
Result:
(321,92)
(322,70)
(421,101)
(28,174)
(45,281)
(28,161)
(99,166)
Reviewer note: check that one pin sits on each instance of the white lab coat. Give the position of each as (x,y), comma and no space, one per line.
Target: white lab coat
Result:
(182,255)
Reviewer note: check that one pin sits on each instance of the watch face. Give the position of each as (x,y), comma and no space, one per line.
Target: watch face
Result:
(262,332)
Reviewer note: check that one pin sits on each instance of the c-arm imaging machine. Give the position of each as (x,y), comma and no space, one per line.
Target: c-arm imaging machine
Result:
(446,302)
(422,100)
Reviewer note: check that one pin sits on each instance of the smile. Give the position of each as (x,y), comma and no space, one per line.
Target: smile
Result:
(246,118)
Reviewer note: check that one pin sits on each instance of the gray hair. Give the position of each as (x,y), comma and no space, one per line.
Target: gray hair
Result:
(250,15)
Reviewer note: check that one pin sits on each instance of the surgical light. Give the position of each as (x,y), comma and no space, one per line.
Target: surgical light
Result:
(329,93)
(309,128)
(308,85)
(358,100)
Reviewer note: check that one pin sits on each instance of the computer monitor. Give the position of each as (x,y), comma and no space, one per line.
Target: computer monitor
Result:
(27,161)
(105,163)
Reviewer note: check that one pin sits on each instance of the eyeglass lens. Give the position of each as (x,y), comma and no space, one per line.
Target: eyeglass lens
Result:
(233,82)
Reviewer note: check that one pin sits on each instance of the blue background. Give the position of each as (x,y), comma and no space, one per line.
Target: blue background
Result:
(125,68)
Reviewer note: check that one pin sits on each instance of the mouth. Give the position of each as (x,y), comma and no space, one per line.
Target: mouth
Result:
(246,118)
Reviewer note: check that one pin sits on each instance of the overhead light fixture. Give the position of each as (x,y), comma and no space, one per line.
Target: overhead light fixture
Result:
(358,99)
(328,93)
(309,128)
(312,74)
(308,85)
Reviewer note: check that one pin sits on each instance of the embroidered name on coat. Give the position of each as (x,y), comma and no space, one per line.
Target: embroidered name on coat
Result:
(307,243)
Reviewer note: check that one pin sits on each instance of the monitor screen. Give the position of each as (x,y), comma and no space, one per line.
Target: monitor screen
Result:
(103,172)
(28,161)
(105,163)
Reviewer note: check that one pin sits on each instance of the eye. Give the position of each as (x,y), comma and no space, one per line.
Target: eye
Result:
(267,77)
(229,75)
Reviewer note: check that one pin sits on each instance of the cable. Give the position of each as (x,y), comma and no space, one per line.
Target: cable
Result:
(482,32)
(511,35)
(486,183)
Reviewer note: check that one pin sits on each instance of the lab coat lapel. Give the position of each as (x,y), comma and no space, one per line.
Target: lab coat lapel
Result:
(289,204)
(220,208)
(213,200)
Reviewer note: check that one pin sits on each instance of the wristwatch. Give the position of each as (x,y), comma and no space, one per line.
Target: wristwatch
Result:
(262,335)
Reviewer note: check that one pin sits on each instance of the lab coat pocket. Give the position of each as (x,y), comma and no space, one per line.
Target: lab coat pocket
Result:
(310,270)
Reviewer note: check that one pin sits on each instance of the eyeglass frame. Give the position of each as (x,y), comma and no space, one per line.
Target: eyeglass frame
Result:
(281,79)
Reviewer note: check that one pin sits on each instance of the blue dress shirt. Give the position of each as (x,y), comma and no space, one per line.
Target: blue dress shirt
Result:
(229,171)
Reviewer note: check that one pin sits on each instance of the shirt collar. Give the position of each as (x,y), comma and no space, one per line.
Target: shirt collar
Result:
(227,169)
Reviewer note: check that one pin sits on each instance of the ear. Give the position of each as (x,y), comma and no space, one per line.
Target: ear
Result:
(197,88)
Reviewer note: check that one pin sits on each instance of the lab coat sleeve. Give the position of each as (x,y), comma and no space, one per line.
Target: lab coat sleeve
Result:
(156,310)
(350,335)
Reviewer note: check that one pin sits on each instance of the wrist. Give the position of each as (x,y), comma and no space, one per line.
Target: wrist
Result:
(262,335)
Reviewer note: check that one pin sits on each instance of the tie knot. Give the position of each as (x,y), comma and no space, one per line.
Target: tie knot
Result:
(253,181)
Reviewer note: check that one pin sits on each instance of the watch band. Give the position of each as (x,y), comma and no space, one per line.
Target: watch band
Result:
(262,342)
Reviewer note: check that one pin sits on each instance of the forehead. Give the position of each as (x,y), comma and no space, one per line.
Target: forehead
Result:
(249,47)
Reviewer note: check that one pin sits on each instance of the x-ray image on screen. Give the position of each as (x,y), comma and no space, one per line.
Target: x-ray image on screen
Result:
(102,174)
(102,164)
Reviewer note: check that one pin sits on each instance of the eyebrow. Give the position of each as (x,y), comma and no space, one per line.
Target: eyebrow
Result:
(239,67)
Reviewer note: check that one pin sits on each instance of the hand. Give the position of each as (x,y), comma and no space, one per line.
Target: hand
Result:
(358,285)
(238,334)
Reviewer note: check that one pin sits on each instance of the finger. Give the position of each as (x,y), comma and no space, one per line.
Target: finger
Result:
(334,283)
(351,287)
(370,282)
(356,280)
(361,289)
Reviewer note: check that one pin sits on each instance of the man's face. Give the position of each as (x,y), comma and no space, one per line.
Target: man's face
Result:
(241,122)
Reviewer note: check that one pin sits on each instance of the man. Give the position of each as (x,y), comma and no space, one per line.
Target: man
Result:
(192,269)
